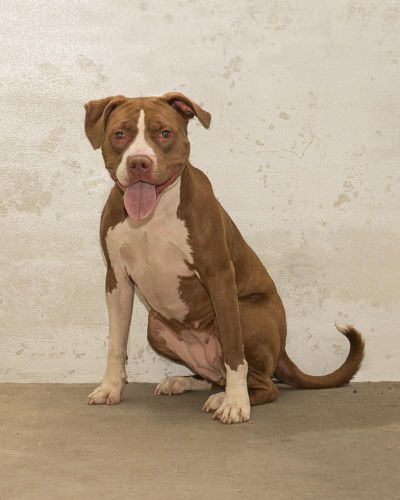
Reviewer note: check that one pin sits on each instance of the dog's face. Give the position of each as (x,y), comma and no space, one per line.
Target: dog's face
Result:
(144,143)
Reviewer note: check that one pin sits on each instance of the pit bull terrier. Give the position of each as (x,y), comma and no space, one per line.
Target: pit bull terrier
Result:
(212,305)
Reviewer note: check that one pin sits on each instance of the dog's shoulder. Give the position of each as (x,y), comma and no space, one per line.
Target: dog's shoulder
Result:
(197,199)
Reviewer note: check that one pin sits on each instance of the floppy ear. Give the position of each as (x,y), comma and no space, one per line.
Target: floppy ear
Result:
(187,108)
(96,117)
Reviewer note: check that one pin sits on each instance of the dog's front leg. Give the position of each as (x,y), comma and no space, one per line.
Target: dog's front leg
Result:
(233,405)
(119,304)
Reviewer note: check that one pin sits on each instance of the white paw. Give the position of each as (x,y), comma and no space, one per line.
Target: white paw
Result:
(106,393)
(172,386)
(228,410)
(214,402)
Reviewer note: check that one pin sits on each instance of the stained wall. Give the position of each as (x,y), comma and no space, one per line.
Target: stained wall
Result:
(303,152)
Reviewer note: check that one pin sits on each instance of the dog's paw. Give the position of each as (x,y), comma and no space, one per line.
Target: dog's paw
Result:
(178,385)
(173,385)
(214,402)
(228,410)
(106,393)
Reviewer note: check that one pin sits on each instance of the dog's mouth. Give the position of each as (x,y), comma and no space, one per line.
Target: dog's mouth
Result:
(140,198)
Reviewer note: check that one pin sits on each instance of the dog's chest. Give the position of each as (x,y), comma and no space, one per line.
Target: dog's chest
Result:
(155,254)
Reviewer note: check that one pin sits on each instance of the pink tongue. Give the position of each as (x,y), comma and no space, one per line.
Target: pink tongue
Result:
(140,199)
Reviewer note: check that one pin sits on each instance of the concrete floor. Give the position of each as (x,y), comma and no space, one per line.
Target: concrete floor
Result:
(331,444)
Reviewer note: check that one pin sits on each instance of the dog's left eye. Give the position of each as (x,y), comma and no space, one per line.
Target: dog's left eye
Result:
(164,134)
(119,135)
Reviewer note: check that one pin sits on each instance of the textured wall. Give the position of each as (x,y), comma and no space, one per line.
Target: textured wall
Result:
(303,152)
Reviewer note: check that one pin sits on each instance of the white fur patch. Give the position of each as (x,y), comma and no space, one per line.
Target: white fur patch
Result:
(233,405)
(138,147)
(154,252)
(236,382)
(178,385)
(119,303)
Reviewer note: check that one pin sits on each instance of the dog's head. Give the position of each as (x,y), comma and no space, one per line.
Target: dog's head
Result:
(144,143)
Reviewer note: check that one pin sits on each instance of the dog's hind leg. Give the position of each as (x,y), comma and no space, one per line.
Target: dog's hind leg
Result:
(157,342)
(175,384)
(261,389)
(262,327)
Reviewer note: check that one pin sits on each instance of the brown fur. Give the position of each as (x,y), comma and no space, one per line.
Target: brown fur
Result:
(113,213)
(234,291)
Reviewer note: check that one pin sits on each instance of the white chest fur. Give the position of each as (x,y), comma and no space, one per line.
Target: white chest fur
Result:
(154,252)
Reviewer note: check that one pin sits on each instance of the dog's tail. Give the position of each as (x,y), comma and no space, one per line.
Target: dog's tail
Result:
(289,373)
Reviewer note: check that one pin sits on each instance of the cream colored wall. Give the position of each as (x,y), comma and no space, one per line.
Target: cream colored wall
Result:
(303,152)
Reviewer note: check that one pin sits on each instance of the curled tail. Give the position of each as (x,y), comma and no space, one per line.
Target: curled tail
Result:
(290,374)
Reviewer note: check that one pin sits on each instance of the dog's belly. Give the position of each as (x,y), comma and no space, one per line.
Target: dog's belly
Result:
(200,349)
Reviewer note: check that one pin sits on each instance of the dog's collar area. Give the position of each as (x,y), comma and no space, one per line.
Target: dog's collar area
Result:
(122,188)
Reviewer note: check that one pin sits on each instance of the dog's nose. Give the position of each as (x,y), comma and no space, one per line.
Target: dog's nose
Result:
(139,162)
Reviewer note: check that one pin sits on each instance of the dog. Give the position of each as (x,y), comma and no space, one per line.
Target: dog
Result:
(213,307)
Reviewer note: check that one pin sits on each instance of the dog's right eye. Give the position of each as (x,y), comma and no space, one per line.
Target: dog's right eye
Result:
(119,135)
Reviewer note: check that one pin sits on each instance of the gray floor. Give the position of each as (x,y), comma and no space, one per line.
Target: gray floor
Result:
(331,444)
